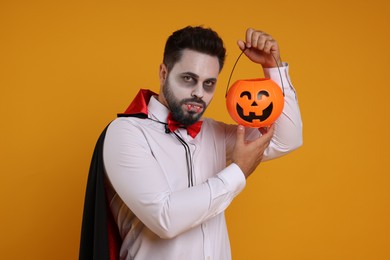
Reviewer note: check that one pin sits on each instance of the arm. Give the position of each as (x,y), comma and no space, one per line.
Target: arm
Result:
(288,127)
(261,48)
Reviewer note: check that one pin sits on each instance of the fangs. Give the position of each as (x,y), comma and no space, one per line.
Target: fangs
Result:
(194,107)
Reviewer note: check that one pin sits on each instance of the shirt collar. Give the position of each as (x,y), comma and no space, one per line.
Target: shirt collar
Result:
(157,110)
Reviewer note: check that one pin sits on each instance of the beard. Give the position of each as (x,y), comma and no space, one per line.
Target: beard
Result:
(176,107)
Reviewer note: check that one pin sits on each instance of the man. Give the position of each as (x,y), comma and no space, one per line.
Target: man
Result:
(168,186)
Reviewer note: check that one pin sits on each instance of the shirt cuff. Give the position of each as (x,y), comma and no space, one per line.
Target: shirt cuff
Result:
(233,178)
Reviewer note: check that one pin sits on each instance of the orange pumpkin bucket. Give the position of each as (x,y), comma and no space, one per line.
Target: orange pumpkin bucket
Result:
(255,102)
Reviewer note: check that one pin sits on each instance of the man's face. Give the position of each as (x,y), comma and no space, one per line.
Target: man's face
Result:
(189,87)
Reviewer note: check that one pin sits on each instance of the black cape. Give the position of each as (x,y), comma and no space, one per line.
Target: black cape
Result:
(100,239)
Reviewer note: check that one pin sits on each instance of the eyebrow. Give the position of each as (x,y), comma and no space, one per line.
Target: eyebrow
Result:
(196,76)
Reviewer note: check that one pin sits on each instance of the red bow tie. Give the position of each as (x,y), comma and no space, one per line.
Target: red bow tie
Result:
(192,130)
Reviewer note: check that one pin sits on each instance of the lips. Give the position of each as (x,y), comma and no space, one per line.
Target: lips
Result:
(194,107)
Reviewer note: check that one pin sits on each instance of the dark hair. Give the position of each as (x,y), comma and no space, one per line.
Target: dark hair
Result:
(198,38)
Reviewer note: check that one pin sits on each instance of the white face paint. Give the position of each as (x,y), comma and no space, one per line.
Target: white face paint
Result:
(189,86)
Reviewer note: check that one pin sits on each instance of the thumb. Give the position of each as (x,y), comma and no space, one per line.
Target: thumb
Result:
(241,44)
(240,134)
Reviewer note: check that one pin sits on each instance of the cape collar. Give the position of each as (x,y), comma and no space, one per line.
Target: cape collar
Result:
(139,106)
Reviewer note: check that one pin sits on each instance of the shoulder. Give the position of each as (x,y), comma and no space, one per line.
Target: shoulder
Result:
(210,123)
(218,127)
(129,123)
(128,128)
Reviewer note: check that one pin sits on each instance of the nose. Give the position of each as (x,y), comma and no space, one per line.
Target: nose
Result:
(198,91)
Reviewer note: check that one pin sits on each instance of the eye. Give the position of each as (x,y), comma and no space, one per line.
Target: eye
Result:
(187,78)
(261,94)
(209,85)
(247,94)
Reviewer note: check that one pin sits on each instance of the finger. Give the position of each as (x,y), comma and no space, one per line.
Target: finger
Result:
(240,135)
(241,44)
(262,40)
(271,130)
(260,37)
(263,130)
(255,38)
(266,134)
(248,37)
(270,133)
(270,45)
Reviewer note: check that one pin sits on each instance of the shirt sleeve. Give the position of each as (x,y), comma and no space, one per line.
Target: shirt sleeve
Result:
(140,182)
(288,127)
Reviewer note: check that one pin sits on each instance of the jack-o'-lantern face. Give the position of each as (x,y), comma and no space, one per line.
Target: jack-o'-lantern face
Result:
(255,102)
(254,106)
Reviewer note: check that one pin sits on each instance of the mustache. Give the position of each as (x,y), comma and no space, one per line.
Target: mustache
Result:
(194,100)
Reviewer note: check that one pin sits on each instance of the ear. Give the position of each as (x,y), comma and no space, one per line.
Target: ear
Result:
(163,73)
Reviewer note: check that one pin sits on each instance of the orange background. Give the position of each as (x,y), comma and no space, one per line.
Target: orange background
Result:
(67,68)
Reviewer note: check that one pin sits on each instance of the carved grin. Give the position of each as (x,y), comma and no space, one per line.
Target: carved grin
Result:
(252,116)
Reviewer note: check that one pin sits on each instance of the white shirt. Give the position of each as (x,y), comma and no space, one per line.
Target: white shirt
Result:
(158,215)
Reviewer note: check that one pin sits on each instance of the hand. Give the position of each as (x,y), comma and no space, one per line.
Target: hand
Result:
(261,48)
(248,154)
